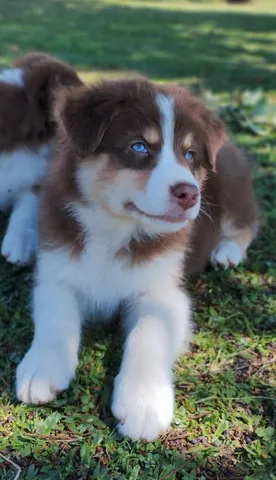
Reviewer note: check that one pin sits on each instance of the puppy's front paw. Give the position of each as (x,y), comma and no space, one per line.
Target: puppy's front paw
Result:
(227,253)
(144,408)
(19,246)
(43,373)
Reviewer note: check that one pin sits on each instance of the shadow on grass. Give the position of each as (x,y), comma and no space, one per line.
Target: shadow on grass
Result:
(225,48)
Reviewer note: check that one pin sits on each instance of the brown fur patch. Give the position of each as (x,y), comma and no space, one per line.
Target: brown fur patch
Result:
(58,227)
(144,250)
(25,112)
(18,126)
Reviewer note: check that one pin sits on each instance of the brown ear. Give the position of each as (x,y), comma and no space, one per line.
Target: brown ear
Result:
(84,114)
(15,120)
(215,138)
(42,75)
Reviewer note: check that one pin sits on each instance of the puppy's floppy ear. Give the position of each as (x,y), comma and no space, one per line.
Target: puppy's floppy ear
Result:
(84,114)
(215,137)
(42,75)
(14,117)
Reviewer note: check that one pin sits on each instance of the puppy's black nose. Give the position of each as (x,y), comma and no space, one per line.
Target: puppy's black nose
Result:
(185,194)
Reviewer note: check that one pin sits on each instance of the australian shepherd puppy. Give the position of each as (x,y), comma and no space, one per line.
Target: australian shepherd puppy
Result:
(26,131)
(117,219)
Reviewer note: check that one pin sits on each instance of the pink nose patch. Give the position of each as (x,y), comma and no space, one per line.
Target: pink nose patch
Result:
(185,194)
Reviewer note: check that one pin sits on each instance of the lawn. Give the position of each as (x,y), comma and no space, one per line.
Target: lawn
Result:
(224,425)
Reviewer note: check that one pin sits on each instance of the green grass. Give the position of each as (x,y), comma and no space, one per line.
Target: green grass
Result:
(224,424)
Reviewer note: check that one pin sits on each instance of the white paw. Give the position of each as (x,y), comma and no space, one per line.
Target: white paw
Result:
(43,373)
(226,253)
(145,409)
(19,246)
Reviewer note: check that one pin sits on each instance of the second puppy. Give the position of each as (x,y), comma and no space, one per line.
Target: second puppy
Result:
(26,133)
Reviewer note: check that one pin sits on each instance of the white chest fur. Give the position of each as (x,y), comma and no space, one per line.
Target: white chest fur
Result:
(102,281)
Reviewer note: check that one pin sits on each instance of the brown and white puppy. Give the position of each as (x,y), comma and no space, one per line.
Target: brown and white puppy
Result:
(118,208)
(26,130)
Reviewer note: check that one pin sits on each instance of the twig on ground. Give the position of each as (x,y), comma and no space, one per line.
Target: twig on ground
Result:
(8,460)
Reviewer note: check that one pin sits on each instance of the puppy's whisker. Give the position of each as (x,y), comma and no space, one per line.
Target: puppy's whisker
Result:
(209,203)
(207,215)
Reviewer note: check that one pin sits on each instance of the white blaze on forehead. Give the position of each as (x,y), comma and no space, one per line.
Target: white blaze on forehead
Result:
(13,76)
(172,170)
(168,164)
(156,200)
(166,107)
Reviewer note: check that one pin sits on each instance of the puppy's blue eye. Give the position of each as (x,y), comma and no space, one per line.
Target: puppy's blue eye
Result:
(189,155)
(140,147)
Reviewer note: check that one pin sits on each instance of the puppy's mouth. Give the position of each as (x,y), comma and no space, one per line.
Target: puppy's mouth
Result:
(174,215)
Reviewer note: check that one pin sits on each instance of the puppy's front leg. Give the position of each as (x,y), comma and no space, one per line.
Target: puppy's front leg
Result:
(50,364)
(143,398)
(20,241)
